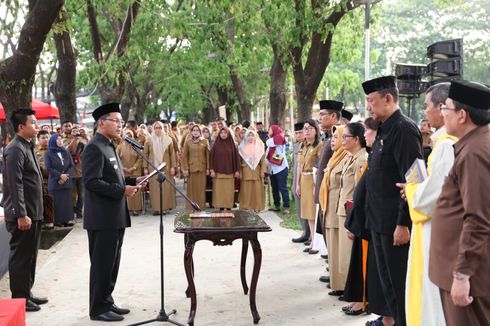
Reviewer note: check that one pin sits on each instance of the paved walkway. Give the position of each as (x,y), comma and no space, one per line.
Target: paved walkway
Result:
(288,291)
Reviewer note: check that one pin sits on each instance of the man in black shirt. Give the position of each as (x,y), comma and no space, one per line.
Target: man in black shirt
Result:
(23,204)
(398,143)
(106,212)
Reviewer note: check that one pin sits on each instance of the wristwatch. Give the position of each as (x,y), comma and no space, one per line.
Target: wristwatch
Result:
(460,276)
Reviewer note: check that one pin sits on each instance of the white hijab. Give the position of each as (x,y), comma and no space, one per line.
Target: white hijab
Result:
(159,144)
(251,152)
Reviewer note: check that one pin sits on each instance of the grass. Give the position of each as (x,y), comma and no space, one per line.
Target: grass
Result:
(289,221)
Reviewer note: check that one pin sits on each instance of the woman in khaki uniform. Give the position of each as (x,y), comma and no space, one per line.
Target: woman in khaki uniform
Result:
(131,162)
(195,167)
(329,200)
(354,144)
(159,148)
(253,168)
(224,167)
(307,158)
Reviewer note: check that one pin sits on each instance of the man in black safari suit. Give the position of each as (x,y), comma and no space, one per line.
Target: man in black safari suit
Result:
(398,143)
(106,212)
(23,205)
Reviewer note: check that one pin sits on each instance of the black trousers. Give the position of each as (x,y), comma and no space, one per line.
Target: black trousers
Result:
(105,256)
(78,190)
(392,268)
(24,246)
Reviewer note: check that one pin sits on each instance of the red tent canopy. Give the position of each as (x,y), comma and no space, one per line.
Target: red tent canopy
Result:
(43,111)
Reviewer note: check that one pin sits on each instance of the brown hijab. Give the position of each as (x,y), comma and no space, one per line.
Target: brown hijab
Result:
(224,155)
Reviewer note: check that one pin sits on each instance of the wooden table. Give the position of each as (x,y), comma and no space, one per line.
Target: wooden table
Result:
(222,231)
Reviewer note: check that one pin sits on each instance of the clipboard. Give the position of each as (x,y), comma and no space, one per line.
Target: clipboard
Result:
(160,168)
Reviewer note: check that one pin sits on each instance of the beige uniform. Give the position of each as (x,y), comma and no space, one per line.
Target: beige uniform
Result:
(307,158)
(195,159)
(168,194)
(252,193)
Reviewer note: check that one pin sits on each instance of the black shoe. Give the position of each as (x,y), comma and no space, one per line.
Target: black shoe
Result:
(39,300)
(275,209)
(324,256)
(307,242)
(107,316)
(376,322)
(341,298)
(31,306)
(328,286)
(324,278)
(307,250)
(313,251)
(346,308)
(336,293)
(119,311)
(350,312)
(302,238)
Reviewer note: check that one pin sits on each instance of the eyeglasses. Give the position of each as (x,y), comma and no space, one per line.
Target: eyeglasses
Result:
(344,137)
(116,120)
(445,108)
(308,128)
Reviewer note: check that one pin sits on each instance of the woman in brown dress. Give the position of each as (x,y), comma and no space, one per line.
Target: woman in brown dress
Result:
(159,148)
(307,158)
(131,162)
(195,167)
(224,167)
(253,168)
(354,144)
(329,201)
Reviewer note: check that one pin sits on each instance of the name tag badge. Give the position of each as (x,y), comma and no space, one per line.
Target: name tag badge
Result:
(112,159)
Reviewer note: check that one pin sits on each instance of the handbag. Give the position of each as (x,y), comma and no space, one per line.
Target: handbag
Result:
(277,159)
(48,205)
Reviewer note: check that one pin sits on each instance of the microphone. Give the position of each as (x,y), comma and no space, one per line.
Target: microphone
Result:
(132,142)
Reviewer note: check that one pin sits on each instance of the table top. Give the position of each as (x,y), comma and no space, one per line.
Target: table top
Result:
(242,222)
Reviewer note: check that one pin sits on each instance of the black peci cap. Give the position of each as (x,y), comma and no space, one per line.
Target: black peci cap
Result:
(470,93)
(105,109)
(298,126)
(346,114)
(331,105)
(379,84)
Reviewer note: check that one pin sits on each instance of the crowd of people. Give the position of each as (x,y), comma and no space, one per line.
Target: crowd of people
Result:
(414,253)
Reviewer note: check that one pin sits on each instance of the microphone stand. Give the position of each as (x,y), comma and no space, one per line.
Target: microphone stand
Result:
(162,316)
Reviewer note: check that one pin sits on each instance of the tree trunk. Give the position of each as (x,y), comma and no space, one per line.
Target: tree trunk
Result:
(307,78)
(127,102)
(17,72)
(64,89)
(110,90)
(305,101)
(277,93)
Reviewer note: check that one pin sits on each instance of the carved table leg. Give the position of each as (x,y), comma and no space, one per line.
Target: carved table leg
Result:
(191,289)
(255,276)
(242,265)
(187,292)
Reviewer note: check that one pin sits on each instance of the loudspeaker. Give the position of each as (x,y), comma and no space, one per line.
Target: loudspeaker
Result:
(411,87)
(445,49)
(446,68)
(410,71)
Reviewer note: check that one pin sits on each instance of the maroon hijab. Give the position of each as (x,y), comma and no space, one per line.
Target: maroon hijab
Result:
(279,139)
(224,155)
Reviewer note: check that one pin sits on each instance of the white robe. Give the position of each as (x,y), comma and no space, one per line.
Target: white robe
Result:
(428,311)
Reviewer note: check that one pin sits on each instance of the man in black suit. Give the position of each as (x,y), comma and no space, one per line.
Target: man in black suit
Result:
(23,204)
(106,211)
(398,143)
